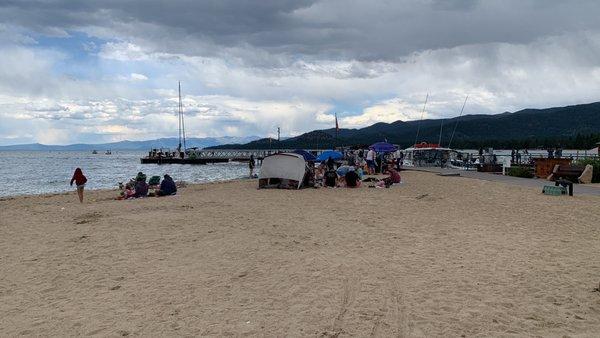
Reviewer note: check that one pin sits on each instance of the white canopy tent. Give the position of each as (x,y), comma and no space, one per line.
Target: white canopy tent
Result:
(280,167)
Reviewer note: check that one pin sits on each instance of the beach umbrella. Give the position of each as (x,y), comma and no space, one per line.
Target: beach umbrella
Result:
(383,147)
(335,155)
(308,157)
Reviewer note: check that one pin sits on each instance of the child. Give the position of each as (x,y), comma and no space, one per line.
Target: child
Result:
(129,191)
(79,180)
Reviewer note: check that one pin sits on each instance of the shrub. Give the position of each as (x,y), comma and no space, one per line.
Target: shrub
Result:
(524,172)
(595,162)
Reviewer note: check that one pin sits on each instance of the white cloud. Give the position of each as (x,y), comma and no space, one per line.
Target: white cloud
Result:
(386,111)
(138,77)
(292,73)
(123,51)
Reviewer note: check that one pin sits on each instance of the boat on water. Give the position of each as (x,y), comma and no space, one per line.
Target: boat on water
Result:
(426,154)
(108,152)
(433,155)
(180,155)
(94,152)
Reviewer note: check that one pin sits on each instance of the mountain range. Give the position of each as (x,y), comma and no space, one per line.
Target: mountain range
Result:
(170,143)
(576,126)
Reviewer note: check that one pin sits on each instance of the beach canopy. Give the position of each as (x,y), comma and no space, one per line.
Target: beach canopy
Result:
(383,147)
(283,170)
(307,156)
(335,155)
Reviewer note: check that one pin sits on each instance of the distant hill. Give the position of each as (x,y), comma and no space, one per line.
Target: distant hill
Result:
(575,126)
(170,143)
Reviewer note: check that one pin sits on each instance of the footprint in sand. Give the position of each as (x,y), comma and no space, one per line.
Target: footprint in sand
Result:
(88,218)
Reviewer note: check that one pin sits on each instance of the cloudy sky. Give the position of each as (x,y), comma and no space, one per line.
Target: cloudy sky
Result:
(99,71)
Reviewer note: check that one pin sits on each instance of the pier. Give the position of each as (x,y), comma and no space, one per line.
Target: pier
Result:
(207,156)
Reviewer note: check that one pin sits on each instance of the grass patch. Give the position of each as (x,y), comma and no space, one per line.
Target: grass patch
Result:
(524,172)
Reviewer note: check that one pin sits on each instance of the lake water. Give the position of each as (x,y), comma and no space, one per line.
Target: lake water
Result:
(38,172)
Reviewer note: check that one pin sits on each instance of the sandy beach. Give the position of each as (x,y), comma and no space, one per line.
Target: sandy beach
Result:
(436,256)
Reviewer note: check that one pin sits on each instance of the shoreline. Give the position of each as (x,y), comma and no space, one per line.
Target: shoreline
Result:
(74,191)
(505,179)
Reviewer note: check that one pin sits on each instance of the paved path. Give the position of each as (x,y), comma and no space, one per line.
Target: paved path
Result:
(528,182)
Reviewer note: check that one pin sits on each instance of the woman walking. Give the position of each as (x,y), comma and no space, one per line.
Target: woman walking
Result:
(79,180)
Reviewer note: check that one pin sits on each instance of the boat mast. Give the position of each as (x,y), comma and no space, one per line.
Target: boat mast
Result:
(456,125)
(181,118)
(441,128)
(419,123)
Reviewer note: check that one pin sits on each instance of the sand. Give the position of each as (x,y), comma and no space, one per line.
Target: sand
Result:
(437,256)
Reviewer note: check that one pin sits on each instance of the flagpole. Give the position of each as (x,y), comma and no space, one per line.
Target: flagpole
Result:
(337,129)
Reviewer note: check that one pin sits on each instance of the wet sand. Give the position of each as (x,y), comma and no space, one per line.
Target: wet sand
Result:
(436,256)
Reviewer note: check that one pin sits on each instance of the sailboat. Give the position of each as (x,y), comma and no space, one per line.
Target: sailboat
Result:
(181,151)
(425,154)
(161,155)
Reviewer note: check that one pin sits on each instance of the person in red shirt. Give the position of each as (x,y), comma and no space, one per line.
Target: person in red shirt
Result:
(79,180)
(392,179)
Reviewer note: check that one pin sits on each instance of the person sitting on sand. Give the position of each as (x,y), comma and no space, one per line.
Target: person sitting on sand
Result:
(129,191)
(80,181)
(141,187)
(331,178)
(342,170)
(167,187)
(394,178)
(352,179)
(360,172)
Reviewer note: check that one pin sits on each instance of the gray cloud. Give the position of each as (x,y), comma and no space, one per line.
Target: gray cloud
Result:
(335,29)
(250,66)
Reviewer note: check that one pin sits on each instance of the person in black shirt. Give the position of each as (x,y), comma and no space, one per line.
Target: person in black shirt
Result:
(352,179)
(251,165)
(331,178)
(330,163)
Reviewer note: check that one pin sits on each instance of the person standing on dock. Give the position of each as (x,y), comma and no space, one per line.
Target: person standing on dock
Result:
(251,166)
(80,181)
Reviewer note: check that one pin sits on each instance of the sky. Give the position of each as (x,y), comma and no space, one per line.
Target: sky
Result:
(102,71)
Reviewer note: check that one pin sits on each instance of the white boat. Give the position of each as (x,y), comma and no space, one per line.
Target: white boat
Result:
(432,155)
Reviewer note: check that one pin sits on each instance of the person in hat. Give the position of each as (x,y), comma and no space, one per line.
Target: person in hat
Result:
(141,187)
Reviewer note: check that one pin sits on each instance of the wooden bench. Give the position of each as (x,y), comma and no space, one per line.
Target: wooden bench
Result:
(568,172)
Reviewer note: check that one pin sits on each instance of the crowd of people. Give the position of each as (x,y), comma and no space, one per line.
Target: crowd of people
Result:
(352,169)
(137,187)
(332,175)
(350,172)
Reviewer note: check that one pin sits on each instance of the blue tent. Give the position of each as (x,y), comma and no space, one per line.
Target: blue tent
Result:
(307,156)
(383,147)
(335,155)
